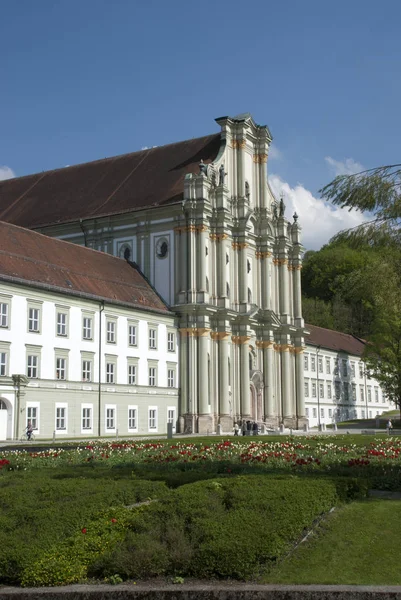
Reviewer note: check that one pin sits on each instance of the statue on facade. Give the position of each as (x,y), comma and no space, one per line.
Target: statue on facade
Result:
(282,207)
(247,190)
(275,212)
(203,168)
(222,174)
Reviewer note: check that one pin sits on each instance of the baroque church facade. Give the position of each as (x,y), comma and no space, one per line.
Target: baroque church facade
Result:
(200,221)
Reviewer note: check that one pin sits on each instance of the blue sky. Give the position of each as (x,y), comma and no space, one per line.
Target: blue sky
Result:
(85,79)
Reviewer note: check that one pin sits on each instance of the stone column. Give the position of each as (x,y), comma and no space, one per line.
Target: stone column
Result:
(270,408)
(296,277)
(299,383)
(266,279)
(283,286)
(221,265)
(201,256)
(191,264)
(243,275)
(205,419)
(184,408)
(224,404)
(241,145)
(262,159)
(244,374)
(286,381)
(181,240)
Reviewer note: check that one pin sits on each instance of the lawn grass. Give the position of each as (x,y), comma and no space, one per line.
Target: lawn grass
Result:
(359,544)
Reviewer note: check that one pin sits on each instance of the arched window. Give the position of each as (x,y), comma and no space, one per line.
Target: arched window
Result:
(3,405)
(125,251)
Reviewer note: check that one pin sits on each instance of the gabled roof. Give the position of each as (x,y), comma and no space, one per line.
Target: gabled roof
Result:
(34,259)
(334,340)
(151,177)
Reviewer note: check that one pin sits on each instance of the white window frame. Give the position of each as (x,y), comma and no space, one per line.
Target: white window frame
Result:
(61,417)
(369,393)
(313,363)
(132,418)
(34,352)
(61,368)
(87,370)
(306,388)
(111,371)
(34,318)
(152,336)
(86,426)
(152,418)
(132,334)
(87,327)
(171,377)
(320,364)
(3,363)
(132,369)
(111,331)
(33,408)
(321,389)
(62,327)
(344,367)
(4,313)
(328,365)
(329,391)
(314,389)
(172,416)
(152,376)
(362,393)
(110,418)
(306,362)
(170,341)
(314,412)
(360,370)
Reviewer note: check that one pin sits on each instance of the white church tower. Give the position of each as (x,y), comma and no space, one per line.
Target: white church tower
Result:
(239,291)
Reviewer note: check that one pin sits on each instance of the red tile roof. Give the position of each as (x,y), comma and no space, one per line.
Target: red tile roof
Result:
(32,258)
(151,177)
(334,340)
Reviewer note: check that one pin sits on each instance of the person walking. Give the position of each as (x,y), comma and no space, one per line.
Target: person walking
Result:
(243,427)
(236,429)
(389,426)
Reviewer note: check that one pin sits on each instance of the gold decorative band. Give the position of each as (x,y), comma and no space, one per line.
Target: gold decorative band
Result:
(240,339)
(260,158)
(239,245)
(299,349)
(219,335)
(263,254)
(280,261)
(264,344)
(192,228)
(283,347)
(238,144)
(194,332)
(218,236)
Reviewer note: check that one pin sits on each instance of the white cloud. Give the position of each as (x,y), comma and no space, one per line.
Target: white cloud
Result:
(275,153)
(348,166)
(6,173)
(319,219)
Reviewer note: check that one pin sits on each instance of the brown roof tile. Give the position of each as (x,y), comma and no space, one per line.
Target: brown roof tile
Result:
(35,259)
(334,340)
(151,177)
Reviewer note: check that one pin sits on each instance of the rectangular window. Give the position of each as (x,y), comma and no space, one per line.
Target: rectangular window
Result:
(336,366)
(306,389)
(330,413)
(33,320)
(313,363)
(170,378)
(3,364)
(363,413)
(321,390)
(313,389)
(152,339)
(328,366)
(329,392)
(87,370)
(60,418)
(110,372)
(361,370)
(362,393)
(338,389)
(171,416)
(369,394)
(170,341)
(32,366)
(353,369)
(322,412)
(86,418)
(320,364)
(3,314)
(376,394)
(353,391)
(314,413)
(306,362)
(131,374)
(61,324)
(346,392)
(132,335)
(152,418)
(32,416)
(132,418)
(307,412)
(110,418)
(344,368)
(111,332)
(61,368)
(152,376)
(87,328)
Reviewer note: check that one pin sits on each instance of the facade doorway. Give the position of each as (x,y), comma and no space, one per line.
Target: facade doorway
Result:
(5,418)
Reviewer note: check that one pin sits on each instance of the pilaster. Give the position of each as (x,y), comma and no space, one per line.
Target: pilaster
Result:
(245,400)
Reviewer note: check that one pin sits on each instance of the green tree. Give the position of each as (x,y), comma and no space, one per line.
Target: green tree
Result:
(376,192)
